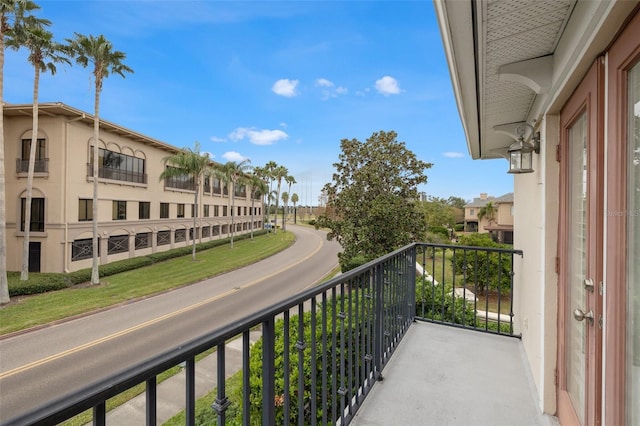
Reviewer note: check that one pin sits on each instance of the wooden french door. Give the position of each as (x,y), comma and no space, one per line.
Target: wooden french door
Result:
(580,252)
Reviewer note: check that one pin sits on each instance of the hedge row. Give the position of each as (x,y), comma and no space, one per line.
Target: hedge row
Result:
(44,282)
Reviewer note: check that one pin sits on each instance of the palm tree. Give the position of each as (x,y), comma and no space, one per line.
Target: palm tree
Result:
(294,201)
(489,211)
(258,189)
(289,180)
(44,53)
(279,173)
(99,52)
(13,16)
(189,162)
(268,175)
(232,173)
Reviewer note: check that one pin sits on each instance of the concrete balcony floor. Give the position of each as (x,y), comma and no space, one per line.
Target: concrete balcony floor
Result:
(443,375)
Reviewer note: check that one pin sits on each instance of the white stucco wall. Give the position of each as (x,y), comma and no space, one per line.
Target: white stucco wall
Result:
(535,207)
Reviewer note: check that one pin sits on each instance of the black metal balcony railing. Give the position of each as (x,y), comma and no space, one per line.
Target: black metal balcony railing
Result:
(116,174)
(468,287)
(40,166)
(333,342)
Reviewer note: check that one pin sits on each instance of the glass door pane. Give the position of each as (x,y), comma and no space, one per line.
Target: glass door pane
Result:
(633,221)
(576,298)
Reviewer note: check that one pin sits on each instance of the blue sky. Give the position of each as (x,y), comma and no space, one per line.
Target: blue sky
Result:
(268,80)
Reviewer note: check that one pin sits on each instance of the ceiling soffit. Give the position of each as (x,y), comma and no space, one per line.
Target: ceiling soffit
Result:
(510,32)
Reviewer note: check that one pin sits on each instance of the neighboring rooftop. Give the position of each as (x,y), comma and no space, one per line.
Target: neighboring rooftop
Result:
(484,199)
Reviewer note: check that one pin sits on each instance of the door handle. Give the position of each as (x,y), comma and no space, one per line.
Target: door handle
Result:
(588,284)
(580,315)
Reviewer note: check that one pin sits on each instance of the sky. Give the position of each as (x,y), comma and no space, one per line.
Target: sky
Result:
(281,81)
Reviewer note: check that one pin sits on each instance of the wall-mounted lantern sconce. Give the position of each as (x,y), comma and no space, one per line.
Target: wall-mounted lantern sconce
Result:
(521,152)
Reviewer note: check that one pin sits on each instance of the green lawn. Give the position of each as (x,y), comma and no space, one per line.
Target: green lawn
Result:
(48,307)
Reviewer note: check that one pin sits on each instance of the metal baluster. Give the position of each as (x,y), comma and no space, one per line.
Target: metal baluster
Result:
(268,372)
(246,374)
(152,401)
(190,385)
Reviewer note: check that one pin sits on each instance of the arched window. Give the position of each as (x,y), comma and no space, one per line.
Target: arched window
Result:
(41,164)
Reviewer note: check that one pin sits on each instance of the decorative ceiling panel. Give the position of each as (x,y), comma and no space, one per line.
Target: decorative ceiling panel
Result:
(514,31)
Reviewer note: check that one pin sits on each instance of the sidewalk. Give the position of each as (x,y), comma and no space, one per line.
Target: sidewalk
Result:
(171,392)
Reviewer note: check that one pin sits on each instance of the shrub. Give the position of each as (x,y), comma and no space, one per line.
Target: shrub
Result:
(37,283)
(78,277)
(124,265)
(440,230)
(331,372)
(434,303)
(486,271)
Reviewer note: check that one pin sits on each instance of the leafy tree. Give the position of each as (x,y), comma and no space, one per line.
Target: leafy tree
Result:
(14,14)
(189,162)
(372,206)
(438,212)
(258,189)
(44,53)
(99,52)
(233,173)
(457,202)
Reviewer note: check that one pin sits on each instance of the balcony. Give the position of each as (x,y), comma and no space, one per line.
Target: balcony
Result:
(40,166)
(334,343)
(118,174)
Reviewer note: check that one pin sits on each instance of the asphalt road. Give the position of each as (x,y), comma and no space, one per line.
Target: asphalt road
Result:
(40,365)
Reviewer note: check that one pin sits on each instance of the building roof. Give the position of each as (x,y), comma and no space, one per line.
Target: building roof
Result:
(73,114)
(481,202)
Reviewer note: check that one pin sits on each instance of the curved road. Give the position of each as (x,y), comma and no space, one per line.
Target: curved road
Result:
(46,363)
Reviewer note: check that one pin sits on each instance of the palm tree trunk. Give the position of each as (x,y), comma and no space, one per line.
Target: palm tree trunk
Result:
(4,285)
(95,274)
(24,274)
(252,219)
(195,216)
(277,204)
(233,207)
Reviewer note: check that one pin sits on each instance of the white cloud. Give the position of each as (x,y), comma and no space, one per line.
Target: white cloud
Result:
(285,87)
(217,139)
(283,125)
(210,154)
(234,156)
(451,154)
(387,86)
(258,137)
(329,89)
(323,82)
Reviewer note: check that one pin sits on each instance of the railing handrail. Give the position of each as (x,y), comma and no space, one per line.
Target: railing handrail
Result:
(473,248)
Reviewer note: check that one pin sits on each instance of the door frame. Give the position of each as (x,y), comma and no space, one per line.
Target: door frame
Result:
(589,97)
(623,54)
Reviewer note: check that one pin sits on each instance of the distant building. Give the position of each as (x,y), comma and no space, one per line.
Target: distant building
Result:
(500,226)
(138,213)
